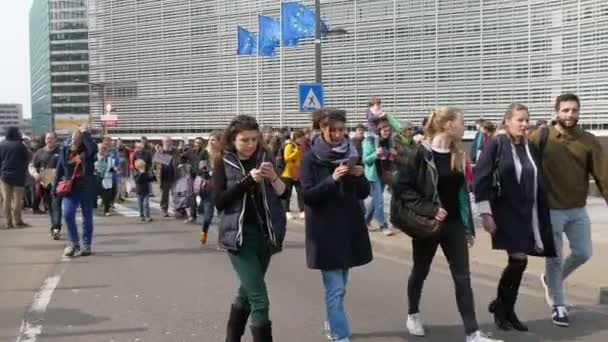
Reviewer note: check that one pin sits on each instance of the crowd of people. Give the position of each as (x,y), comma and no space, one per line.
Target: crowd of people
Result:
(514,179)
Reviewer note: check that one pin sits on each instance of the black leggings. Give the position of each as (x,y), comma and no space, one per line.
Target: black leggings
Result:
(453,242)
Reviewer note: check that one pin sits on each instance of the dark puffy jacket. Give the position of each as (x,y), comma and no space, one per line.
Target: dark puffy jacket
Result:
(231,217)
(14,161)
(414,186)
(336,233)
(88,156)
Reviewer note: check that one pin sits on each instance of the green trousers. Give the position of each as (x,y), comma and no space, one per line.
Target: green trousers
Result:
(250,263)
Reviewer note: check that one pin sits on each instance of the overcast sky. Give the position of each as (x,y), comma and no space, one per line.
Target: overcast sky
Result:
(14,54)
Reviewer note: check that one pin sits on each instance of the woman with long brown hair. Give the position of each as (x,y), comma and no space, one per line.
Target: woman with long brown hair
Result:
(432,184)
(211,155)
(246,192)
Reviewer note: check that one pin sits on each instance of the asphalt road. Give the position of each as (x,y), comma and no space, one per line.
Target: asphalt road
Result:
(152,282)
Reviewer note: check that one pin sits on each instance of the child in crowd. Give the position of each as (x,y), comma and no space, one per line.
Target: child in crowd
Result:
(142,181)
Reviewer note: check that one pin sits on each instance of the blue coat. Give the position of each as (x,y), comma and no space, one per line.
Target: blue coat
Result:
(336,233)
(513,219)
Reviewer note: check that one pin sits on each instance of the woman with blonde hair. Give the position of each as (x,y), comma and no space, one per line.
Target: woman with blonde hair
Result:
(513,204)
(431,185)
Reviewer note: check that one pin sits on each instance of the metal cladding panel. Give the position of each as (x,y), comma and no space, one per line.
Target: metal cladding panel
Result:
(172,66)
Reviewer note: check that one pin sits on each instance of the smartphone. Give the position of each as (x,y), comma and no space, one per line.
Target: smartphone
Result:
(353,161)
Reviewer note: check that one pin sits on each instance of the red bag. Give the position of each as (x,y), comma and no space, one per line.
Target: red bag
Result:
(64,187)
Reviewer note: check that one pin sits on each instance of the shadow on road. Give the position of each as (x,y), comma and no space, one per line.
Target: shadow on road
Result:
(62,288)
(583,324)
(144,233)
(92,332)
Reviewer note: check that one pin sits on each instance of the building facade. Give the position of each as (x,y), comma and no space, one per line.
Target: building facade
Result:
(171,67)
(59,62)
(11,115)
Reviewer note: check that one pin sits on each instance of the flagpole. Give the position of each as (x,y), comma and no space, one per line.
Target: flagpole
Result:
(281,62)
(237,84)
(257,72)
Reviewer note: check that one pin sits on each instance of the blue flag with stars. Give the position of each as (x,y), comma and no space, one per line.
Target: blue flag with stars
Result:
(298,21)
(270,31)
(247,42)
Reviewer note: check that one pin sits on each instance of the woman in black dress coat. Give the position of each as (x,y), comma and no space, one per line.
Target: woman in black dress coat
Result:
(512,202)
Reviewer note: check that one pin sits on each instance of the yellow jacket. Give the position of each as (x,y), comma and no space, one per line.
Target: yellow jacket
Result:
(292,154)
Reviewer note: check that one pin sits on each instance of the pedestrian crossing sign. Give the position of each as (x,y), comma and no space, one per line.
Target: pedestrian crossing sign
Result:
(311,96)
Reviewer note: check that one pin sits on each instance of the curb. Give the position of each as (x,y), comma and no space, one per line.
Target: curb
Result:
(486,272)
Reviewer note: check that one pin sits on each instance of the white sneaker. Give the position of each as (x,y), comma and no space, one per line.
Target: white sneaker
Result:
(302,215)
(478,336)
(387,232)
(415,325)
(289,215)
(548,298)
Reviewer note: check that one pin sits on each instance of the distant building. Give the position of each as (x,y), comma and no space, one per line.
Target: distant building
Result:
(59,62)
(11,114)
(171,66)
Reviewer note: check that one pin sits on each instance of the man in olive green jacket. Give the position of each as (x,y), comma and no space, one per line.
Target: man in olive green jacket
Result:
(569,155)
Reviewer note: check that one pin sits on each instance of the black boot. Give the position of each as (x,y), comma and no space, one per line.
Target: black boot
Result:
(497,307)
(519,267)
(262,333)
(511,316)
(236,323)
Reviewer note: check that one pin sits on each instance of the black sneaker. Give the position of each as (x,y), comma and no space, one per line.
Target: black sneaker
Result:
(55,233)
(85,252)
(71,251)
(560,316)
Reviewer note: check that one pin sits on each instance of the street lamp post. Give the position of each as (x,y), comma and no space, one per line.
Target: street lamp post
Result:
(333,32)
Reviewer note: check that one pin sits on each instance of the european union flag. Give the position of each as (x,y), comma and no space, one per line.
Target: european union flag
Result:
(247,42)
(270,31)
(298,21)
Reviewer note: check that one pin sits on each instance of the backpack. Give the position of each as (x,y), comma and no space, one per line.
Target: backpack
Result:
(182,189)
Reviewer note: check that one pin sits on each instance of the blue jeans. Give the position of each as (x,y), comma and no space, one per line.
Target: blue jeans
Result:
(376,207)
(143,203)
(207,209)
(335,289)
(79,197)
(576,225)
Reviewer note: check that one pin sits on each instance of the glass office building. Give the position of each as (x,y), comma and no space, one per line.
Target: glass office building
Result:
(59,63)
(170,66)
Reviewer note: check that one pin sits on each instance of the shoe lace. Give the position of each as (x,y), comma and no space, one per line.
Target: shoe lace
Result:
(561,311)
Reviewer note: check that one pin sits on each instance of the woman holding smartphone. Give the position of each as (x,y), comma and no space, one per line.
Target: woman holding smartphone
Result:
(252,228)
(336,235)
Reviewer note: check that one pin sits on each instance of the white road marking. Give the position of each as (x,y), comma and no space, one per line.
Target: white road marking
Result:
(125,211)
(31,326)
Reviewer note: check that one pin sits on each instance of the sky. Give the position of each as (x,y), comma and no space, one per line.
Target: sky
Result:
(14,54)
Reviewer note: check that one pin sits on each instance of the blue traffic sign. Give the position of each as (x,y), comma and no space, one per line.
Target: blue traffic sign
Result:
(311,96)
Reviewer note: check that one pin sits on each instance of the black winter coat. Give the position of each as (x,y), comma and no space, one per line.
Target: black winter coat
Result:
(513,220)
(336,233)
(414,186)
(14,161)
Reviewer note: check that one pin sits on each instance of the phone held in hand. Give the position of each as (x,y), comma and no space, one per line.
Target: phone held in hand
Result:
(353,161)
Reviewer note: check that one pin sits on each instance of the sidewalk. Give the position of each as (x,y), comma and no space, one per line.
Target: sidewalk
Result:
(582,287)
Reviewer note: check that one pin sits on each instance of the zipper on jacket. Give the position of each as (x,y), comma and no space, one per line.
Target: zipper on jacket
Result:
(239,234)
